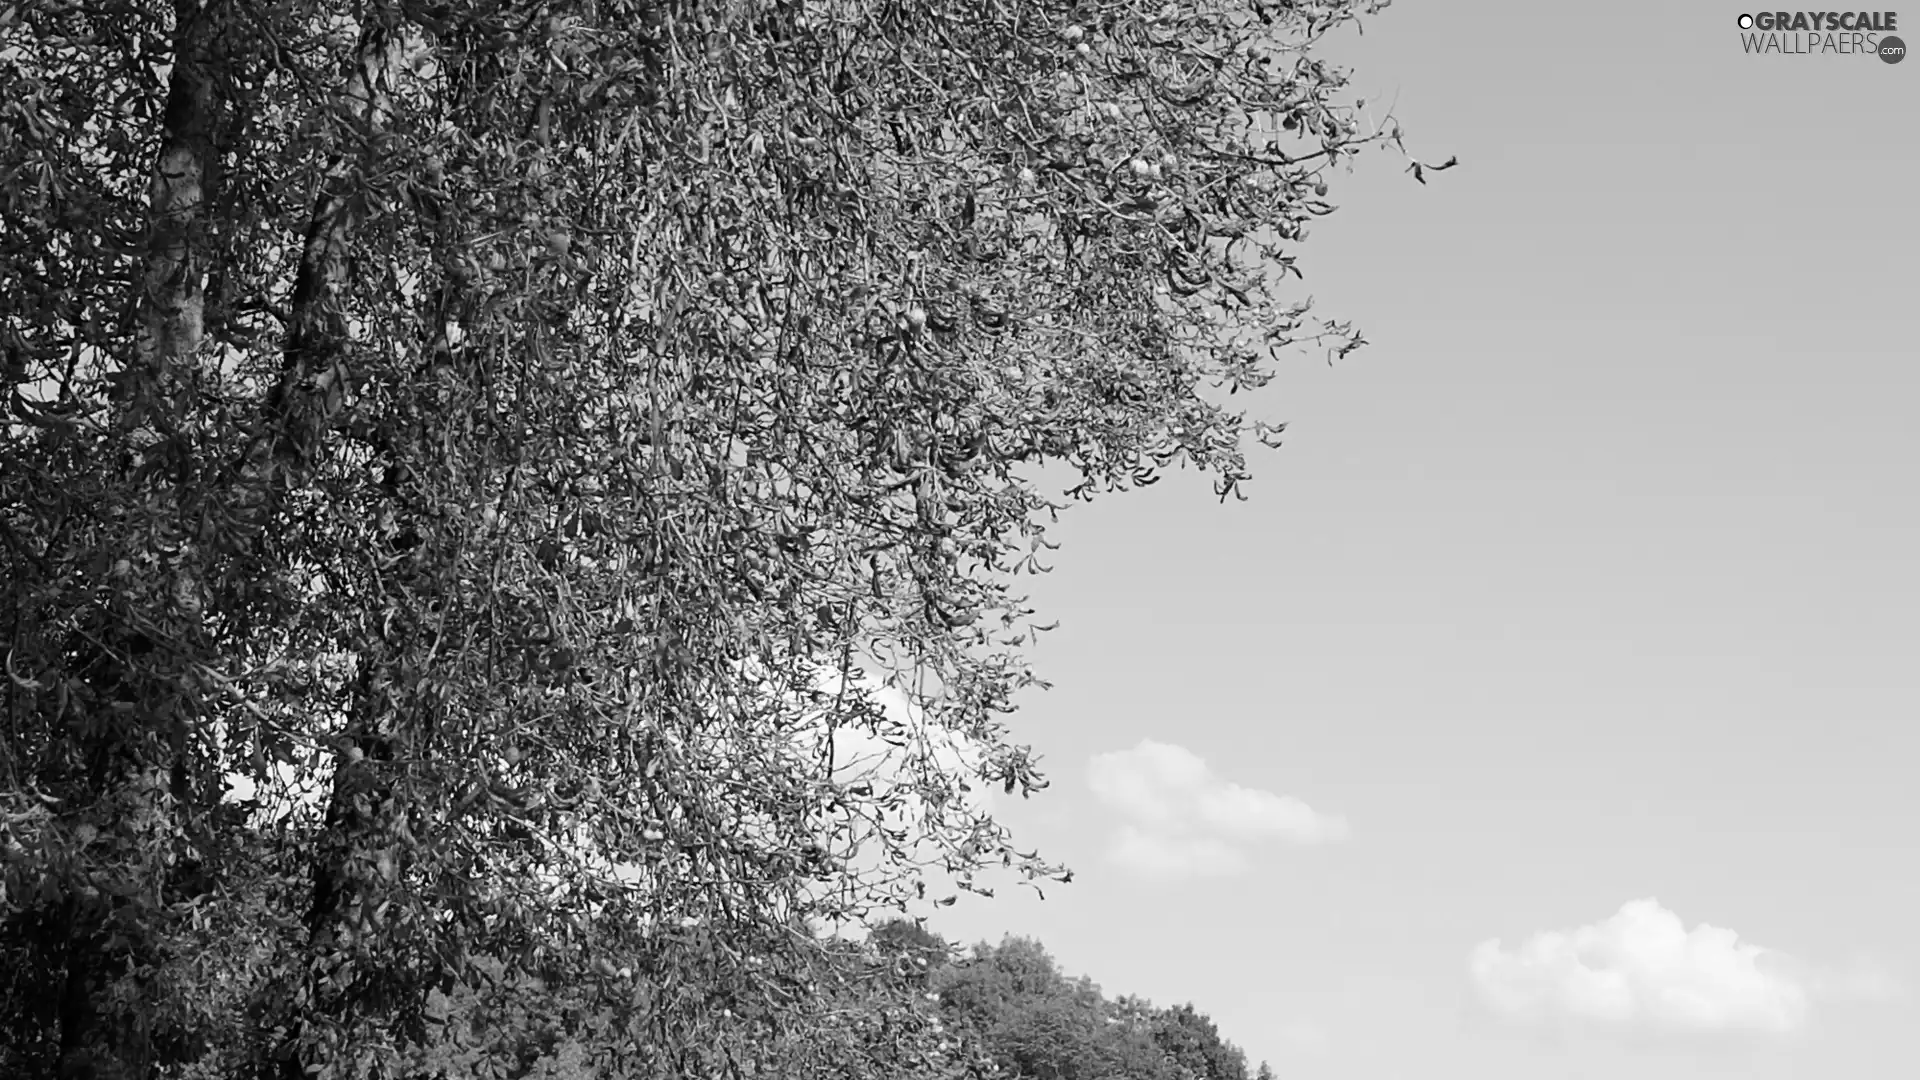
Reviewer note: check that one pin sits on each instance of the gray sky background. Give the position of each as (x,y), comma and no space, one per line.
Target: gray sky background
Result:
(1593,580)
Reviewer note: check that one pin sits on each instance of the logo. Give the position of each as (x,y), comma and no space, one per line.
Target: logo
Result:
(1823,33)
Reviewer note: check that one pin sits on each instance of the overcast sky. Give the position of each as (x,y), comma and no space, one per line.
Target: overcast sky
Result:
(1553,708)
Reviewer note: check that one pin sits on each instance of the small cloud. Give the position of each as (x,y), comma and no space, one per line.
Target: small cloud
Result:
(1164,855)
(1183,820)
(1644,968)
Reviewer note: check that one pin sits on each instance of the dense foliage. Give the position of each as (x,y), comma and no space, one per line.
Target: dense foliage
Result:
(462,461)
(900,1004)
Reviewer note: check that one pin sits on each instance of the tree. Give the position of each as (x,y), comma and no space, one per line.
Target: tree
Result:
(912,953)
(1192,1040)
(1030,1018)
(506,423)
(1035,1021)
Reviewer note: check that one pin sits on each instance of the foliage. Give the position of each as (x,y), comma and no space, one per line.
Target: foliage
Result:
(860,1022)
(1003,1012)
(450,447)
(1193,1043)
(1033,1021)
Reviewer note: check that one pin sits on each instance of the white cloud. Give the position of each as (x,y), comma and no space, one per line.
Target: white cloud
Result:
(1166,855)
(895,749)
(910,776)
(1644,968)
(1181,819)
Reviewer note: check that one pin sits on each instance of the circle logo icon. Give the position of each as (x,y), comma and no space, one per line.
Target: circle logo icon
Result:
(1892,49)
(1746,22)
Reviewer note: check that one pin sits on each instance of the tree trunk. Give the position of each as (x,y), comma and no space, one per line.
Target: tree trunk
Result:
(99,1041)
(300,409)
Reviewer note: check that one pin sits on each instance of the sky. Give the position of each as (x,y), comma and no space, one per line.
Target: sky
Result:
(1552,708)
